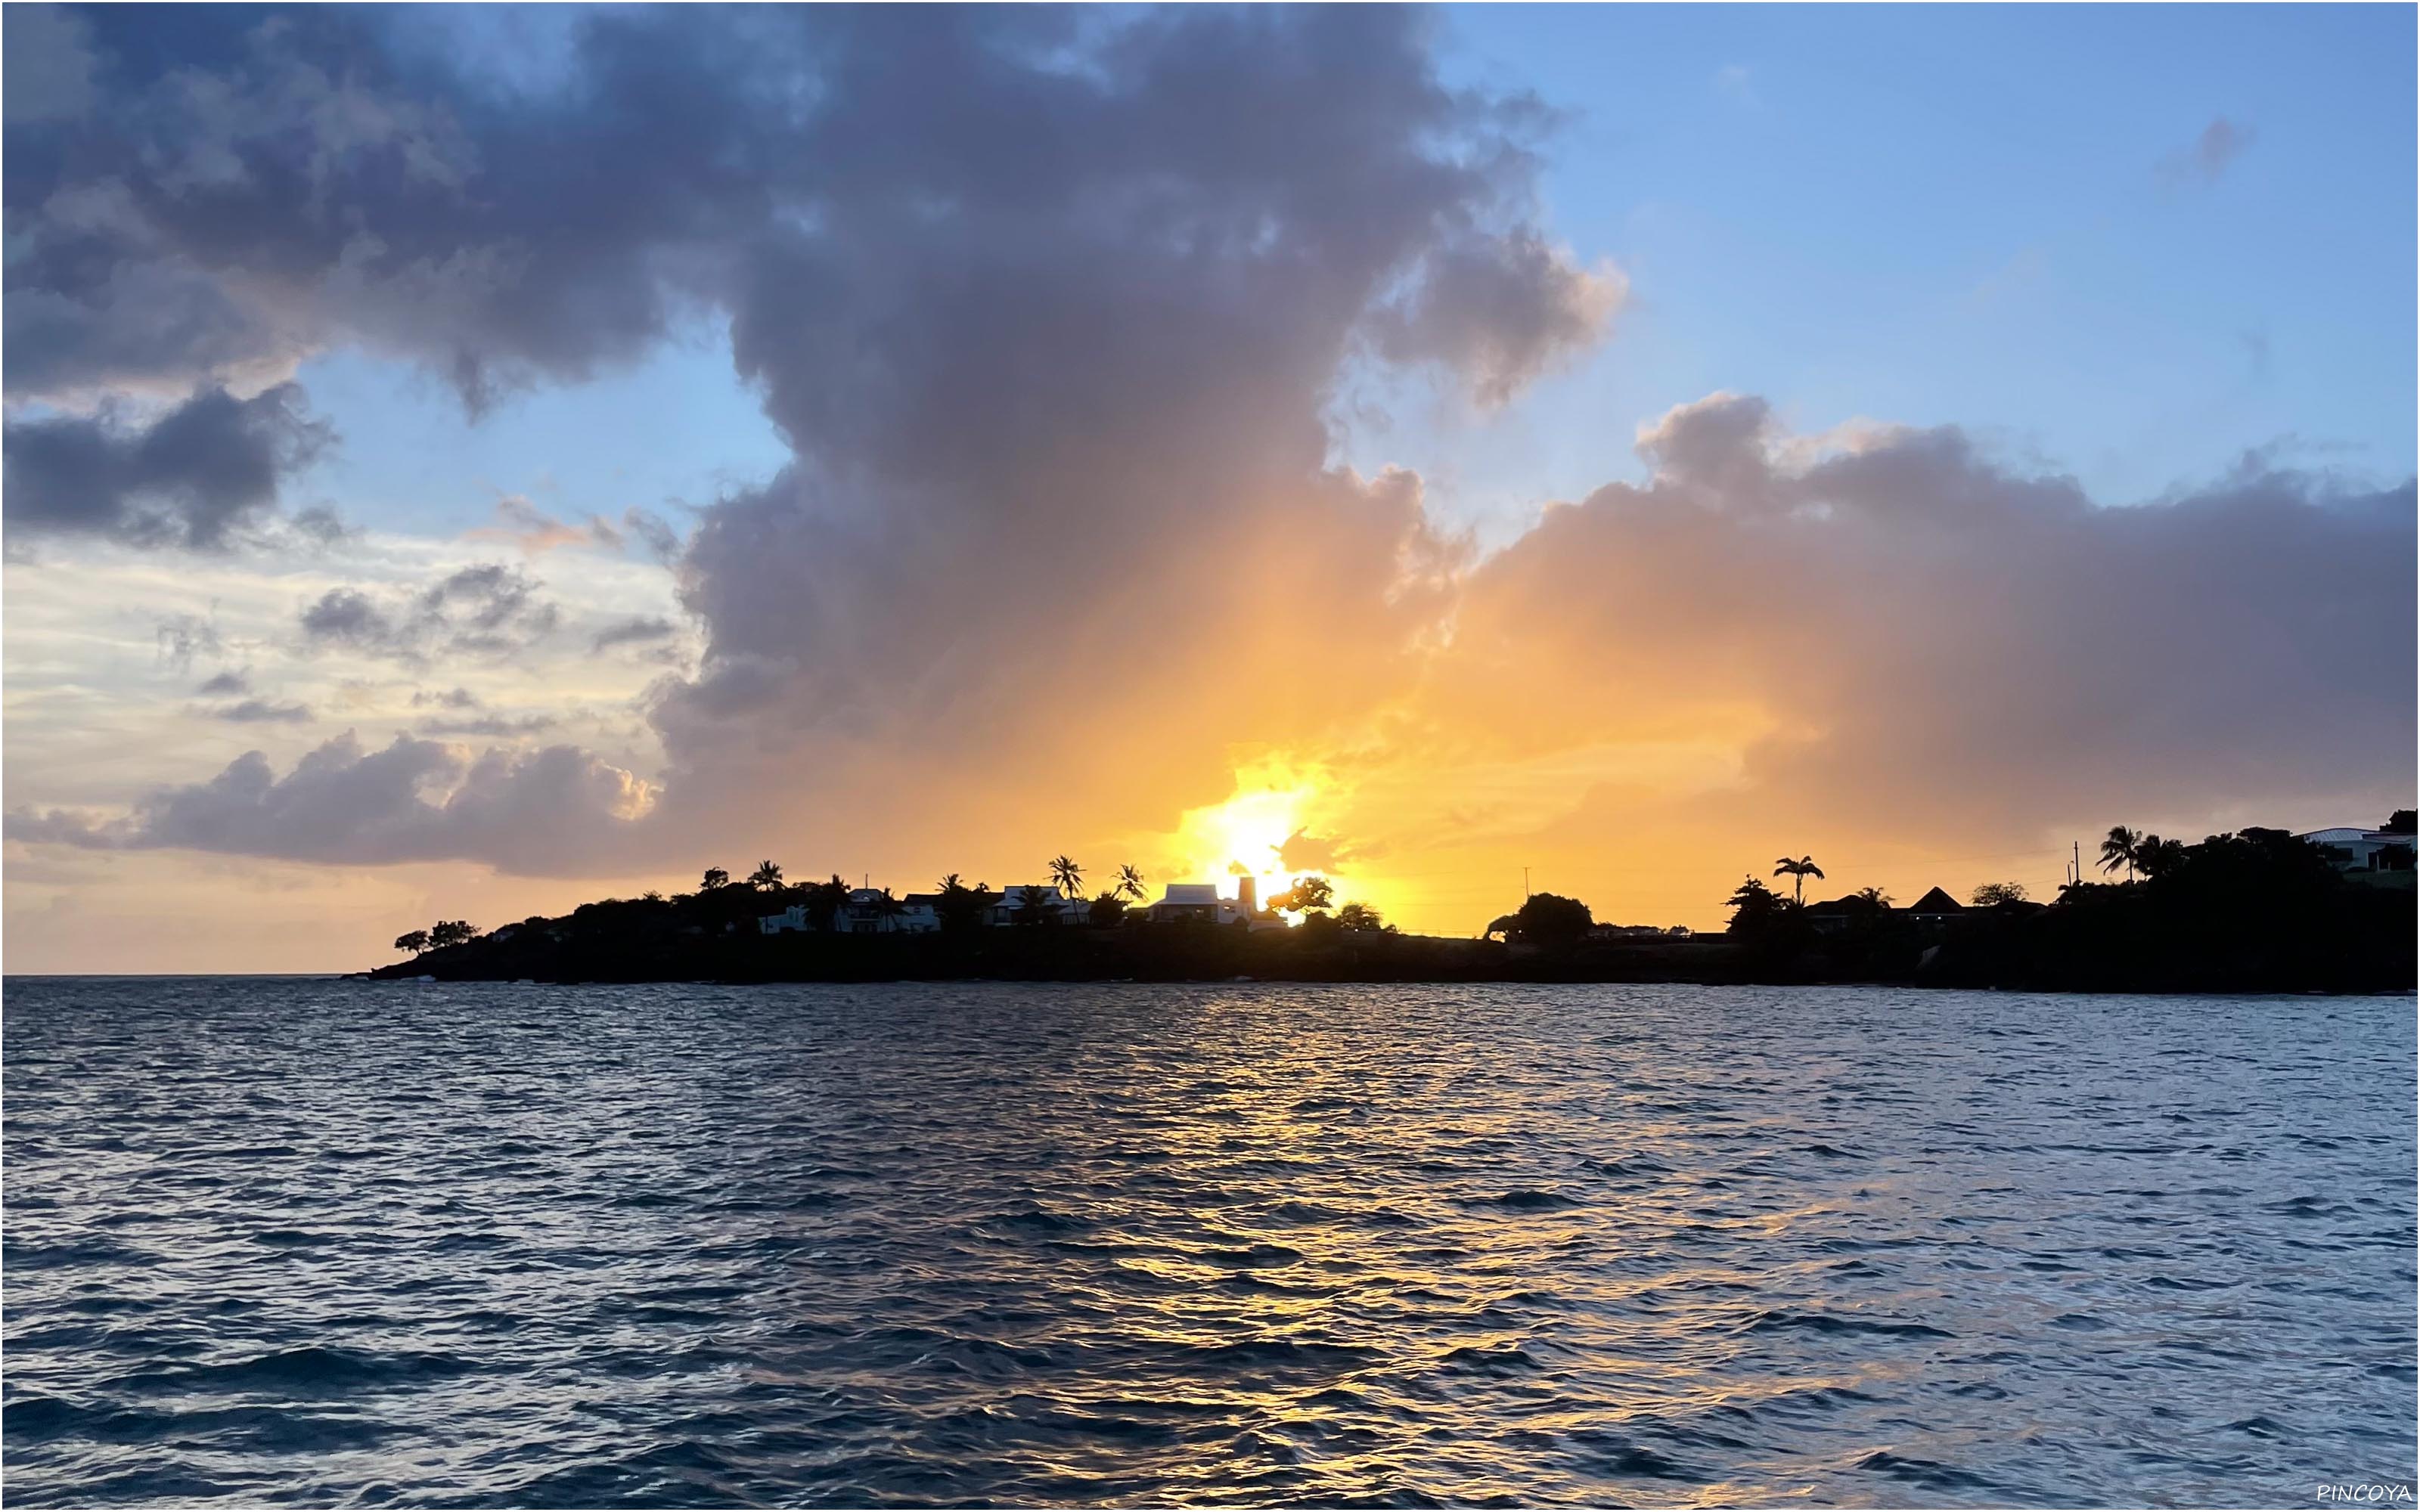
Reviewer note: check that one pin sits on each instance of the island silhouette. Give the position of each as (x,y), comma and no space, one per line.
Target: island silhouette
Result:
(2250,911)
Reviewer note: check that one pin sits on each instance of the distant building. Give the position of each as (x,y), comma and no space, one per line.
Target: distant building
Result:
(1194,900)
(1009,907)
(2381,857)
(793,919)
(1936,907)
(869,911)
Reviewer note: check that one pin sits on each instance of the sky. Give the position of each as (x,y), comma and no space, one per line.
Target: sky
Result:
(463,462)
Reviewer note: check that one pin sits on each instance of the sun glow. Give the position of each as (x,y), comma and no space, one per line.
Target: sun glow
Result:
(1247,834)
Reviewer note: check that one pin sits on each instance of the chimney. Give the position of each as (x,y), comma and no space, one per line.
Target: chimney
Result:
(1246,890)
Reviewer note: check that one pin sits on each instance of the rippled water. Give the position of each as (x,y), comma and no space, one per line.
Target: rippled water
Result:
(320,1242)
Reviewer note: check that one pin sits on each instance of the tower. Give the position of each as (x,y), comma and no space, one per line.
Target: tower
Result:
(1248,889)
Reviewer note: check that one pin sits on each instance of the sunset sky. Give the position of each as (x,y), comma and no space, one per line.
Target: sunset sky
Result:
(466,462)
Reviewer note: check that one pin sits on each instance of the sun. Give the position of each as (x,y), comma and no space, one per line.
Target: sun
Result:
(1247,833)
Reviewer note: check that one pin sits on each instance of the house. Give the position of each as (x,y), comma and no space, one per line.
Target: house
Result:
(1837,914)
(1198,901)
(875,911)
(2380,858)
(1936,907)
(1009,907)
(793,919)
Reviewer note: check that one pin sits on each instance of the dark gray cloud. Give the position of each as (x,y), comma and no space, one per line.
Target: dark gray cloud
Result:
(183,636)
(533,812)
(639,630)
(652,532)
(197,476)
(260,711)
(484,610)
(496,725)
(227,685)
(2210,155)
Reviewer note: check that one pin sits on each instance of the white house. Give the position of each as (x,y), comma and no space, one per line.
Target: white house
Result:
(868,911)
(793,918)
(2382,857)
(1197,901)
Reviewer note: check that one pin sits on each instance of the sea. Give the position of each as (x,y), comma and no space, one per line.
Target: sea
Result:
(289,1241)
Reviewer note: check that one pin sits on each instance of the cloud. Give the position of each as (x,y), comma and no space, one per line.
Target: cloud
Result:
(637,630)
(197,476)
(534,531)
(495,725)
(662,542)
(48,65)
(183,636)
(484,610)
(260,711)
(2210,155)
(1911,637)
(227,685)
(531,812)
(1500,311)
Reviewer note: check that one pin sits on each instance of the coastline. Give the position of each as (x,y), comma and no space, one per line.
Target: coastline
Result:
(2007,955)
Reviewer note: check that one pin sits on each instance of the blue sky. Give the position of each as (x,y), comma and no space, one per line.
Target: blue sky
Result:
(1971,215)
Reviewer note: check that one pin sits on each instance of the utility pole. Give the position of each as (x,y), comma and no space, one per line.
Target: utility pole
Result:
(1526,894)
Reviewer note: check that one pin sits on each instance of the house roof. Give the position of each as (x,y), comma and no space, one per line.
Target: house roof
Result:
(1191,892)
(1936,902)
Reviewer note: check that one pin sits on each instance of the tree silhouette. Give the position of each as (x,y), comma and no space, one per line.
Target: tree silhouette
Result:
(2155,856)
(1547,918)
(1799,870)
(767,877)
(1359,915)
(1107,911)
(1308,895)
(1874,895)
(456,932)
(1067,877)
(825,900)
(1130,883)
(1990,894)
(714,877)
(2119,849)
(959,906)
(415,942)
(1754,906)
(1036,905)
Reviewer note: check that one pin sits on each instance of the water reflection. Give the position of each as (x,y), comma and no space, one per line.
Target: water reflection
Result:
(1047,1244)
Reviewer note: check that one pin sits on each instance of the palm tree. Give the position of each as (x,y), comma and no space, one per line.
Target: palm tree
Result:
(2120,849)
(1036,905)
(2155,856)
(888,908)
(1874,895)
(767,877)
(825,901)
(1067,877)
(714,877)
(1130,883)
(1800,870)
